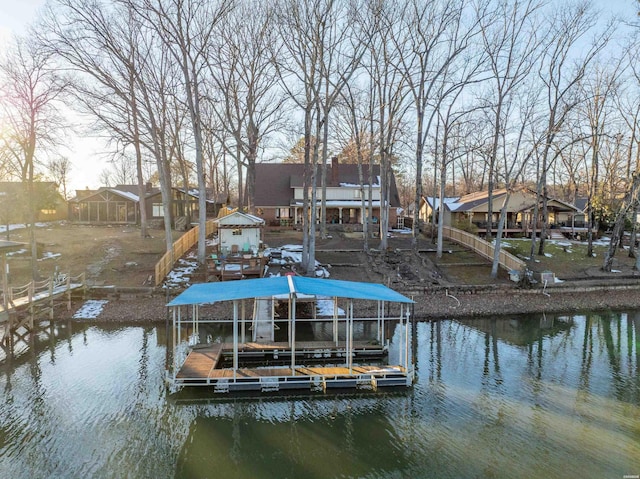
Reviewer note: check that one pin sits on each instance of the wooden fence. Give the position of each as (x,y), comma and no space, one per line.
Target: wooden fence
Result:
(483,248)
(179,248)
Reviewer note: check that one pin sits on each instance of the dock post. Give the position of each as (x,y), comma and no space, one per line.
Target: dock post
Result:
(235,338)
(292,300)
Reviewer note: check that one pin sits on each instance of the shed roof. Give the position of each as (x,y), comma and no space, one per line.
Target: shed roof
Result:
(204,293)
(236,217)
(10,246)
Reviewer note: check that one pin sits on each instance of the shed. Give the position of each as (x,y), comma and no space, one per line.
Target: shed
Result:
(239,232)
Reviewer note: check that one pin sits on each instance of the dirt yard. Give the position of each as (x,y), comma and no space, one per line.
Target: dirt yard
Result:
(109,255)
(119,256)
(457,285)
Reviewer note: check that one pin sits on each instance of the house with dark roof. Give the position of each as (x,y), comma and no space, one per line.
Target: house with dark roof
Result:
(49,203)
(279,194)
(121,205)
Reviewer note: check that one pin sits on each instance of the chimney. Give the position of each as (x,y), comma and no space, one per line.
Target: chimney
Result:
(149,186)
(335,176)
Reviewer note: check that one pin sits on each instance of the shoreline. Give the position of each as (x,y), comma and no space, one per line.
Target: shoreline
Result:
(430,304)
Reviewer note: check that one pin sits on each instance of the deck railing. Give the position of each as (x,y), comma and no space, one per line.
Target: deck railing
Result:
(483,248)
(179,248)
(35,291)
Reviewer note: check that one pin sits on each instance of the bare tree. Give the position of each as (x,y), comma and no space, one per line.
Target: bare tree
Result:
(563,67)
(302,26)
(29,101)
(59,169)
(242,71)
(186,28)
(101,45)
(512,46)
(432,37)
(388,97)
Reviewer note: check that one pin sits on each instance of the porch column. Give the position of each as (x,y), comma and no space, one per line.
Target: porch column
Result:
(340,215)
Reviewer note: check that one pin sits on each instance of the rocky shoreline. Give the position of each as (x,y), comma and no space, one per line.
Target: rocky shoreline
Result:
(432,303)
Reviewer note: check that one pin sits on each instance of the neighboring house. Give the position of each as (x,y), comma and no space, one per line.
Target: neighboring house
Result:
(430,203)
(239,232)
(121,205)
(473,209)
(49,203)
(279,193)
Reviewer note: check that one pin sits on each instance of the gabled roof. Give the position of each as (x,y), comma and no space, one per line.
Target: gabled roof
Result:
(234,217)
(434,202)
(581,204)
(128,192)
(474,200)
(563,205)
(275,182)
(206,293)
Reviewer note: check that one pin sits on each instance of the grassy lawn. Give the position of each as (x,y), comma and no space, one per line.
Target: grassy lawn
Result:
(569,259)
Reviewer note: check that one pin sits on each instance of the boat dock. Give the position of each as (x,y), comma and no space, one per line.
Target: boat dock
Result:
(264,365)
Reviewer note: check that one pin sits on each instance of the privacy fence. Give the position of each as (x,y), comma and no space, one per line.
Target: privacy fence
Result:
(483,248)
(179,248)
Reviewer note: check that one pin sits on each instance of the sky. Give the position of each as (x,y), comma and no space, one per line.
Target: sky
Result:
(87,154)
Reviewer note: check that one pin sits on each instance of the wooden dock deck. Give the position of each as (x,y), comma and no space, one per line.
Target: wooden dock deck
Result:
(203,367)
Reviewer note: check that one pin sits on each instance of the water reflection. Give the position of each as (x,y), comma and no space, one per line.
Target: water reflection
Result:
(517,397)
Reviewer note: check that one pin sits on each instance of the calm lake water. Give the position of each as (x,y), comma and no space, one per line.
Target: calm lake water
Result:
(535,397)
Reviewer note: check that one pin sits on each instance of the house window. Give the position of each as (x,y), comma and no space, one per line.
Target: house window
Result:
(237,232)
(48,212)
(283,213)
(157,209)
(356,194)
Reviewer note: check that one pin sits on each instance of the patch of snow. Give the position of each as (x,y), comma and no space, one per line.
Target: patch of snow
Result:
(325,308)
(322,273)
(616,271)
(48,255)
(548,255)
(558,280)
(560,243)
(181,273)
(91,309)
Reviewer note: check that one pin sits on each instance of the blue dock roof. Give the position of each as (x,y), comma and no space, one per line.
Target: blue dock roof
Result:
(206,293)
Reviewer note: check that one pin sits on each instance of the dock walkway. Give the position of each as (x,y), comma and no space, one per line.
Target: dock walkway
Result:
(22,304)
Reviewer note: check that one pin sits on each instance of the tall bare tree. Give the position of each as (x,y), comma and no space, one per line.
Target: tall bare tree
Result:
(432,37)
(512,45)
(564,64)
(248,105)
(100,44)
(186,28)
(302,27)
(29,103)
